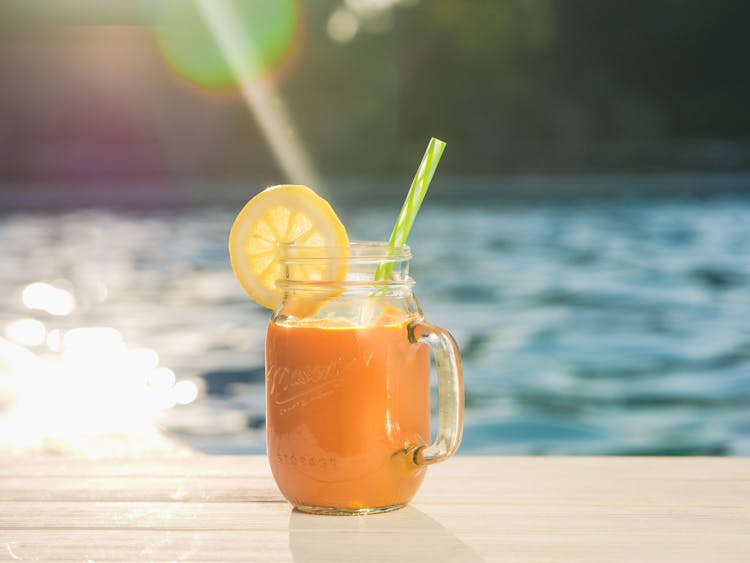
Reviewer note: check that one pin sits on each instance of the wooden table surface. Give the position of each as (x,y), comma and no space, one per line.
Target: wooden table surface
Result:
(469,509)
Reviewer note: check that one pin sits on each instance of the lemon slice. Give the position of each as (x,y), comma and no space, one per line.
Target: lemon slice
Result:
(281,215)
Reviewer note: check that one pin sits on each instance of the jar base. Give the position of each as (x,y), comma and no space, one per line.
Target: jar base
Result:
(337,511)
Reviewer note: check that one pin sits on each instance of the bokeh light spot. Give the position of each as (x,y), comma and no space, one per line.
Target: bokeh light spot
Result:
(191,51)
(93,340)
(26,332)
(162,379)
(185,392)
(342,26)
(144,359)
(54,340)
(45,297)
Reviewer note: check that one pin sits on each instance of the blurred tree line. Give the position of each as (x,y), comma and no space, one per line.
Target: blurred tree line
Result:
(513,86)
(534,85)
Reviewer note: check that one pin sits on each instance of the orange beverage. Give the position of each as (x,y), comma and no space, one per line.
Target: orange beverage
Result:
(346,408)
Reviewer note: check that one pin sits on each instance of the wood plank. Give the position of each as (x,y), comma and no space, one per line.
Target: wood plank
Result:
(145,515)
(565,468)
(275,515)
(606,481)
(614,481)
(470,508)
(215,545)
(527,535)
(154,489)
(147,545)
(218,466)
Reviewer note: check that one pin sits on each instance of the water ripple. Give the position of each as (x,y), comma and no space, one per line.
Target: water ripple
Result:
(609,327)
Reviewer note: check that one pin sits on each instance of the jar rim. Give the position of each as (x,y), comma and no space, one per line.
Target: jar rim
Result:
(355,251)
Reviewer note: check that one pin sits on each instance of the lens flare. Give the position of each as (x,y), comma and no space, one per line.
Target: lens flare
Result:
(191,51)
(223,43)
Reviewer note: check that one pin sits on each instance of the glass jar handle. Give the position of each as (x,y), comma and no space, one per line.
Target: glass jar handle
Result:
(450,392)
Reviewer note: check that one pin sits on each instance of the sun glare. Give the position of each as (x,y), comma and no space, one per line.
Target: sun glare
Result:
(83,390)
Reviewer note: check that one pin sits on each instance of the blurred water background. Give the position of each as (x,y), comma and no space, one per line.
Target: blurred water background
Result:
(600,327)
(586,239)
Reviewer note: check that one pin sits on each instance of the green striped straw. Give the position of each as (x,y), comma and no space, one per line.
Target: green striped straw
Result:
(413,201)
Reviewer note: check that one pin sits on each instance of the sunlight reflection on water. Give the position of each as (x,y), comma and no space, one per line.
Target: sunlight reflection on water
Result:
(616,327)
(85,392)
(47,297)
